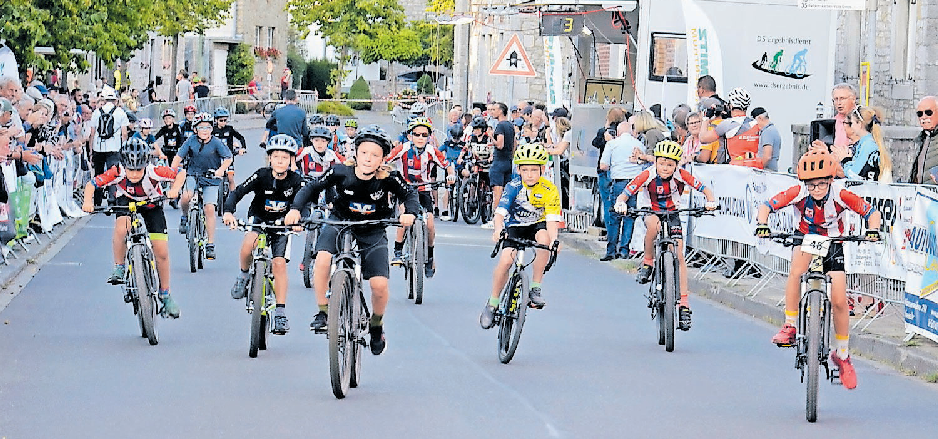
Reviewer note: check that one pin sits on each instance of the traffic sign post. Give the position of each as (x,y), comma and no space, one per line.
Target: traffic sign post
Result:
(513,61)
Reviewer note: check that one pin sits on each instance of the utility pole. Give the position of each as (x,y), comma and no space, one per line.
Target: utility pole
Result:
(461,57)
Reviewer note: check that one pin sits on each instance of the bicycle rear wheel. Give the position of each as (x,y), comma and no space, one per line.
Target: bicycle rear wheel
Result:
(257,315)
(512,323)
(341,333)
(420,259)
(192,236)
(812,353)
(409,264)
(669,290)
(145,294)
(469,201)
(454,201)
(308,250)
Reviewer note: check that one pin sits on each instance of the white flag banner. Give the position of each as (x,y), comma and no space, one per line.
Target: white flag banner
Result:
(703,48)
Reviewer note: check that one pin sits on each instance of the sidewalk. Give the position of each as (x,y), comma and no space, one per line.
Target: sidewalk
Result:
(882,340)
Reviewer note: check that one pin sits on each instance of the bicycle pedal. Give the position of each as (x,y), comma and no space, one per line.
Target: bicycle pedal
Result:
(785,345)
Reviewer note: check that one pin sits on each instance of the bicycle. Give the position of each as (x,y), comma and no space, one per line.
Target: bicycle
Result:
(812,345)
(140,277)
(475,196)
(415,258)
(664,291)
(260,300)
(309,247)
(513,300)
(349,317)
(195,234)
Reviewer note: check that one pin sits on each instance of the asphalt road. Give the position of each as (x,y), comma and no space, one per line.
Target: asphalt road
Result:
(72,363)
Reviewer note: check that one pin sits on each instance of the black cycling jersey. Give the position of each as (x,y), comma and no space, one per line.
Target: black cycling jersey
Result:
(272,197)
(227,135)
(188,129)
(358,199)
(173,138)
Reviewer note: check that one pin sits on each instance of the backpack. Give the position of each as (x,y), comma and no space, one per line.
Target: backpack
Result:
(106,124)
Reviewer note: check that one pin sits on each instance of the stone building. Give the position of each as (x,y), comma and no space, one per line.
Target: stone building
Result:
(899,40)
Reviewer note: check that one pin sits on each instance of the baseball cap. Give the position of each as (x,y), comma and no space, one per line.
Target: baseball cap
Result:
(527,110)
(514,108)
(758,111)
(560,112)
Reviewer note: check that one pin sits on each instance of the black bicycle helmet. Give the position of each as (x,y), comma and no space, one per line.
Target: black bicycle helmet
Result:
(135,154)
(282,142)
(332,121)
(315,119)
(480,123)
(374,133)
(322,132)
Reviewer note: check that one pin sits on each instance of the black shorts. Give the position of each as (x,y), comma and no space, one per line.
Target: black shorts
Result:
(372,245)
(528,232)
(426,201)
(500,174)
(834,261)
(674,223)
(153,217)
(279,243)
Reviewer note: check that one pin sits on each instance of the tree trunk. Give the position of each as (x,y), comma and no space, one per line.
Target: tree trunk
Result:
(173,70)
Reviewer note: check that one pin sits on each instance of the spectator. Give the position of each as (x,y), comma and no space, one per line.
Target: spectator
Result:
(679,124)
(614,117)
(691,144)
(149,94)
(500,172)
(252,86)
(195,77)
(558,144)
(845,101)
(201,90)
(739,134)
(620,159)
(289,119)
(868,158)
(927,141)
(105,146)
(713,110)
(707,88)
(286,81)
(770,141)
(541,124)
(183,87)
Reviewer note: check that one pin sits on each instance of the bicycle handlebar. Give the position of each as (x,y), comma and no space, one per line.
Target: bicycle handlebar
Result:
(787,239)
(135,204)
(305,222)
(527,243)
(692,211)
(282,229)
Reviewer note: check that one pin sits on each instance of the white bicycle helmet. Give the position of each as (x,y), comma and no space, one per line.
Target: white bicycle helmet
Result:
(739,98)
(282,142)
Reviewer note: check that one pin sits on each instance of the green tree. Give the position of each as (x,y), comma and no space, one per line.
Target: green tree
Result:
(297,65)
(425,85)
(239,68)
(442,6)
(436,41)
(360,90)
(317,77)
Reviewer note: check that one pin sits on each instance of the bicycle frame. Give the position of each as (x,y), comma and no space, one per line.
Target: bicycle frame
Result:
(261,253)
(814,281)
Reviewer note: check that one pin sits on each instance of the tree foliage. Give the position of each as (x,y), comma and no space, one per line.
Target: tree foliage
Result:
(317,77)
(110,29)
(425,85)
(239,68)
(436,42)
(442,6)
(360,90)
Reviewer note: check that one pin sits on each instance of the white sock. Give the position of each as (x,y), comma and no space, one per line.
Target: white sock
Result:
(840,345)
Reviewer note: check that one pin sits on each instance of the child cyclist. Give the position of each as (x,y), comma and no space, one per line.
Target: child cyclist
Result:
(362,189)
(820,202)
(530,208)
(274,188)
(228,134)
(351,130)
(660,188)
(314,161)
(137,180)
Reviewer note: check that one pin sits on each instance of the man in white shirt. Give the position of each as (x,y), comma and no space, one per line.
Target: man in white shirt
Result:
(620,159)
(183,87)
(107,138)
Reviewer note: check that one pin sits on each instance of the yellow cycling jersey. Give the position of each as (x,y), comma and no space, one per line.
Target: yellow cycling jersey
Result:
(523,206)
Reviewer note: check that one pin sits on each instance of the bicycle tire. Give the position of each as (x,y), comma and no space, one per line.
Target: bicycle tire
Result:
(265,323)
(669,288)
(222,195)
(258,283)
(469,201)
(359,343)
(340,333)
(812,353)
(308,249)
(201,239)
(409,272)
(518,308)
(145,294)
(454,201)
(192,238)
(658,297)
(420,258)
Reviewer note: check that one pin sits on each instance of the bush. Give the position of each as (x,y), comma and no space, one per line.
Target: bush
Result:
(297,65)
(336,108)
(425,85)
(241,107)
(239,68)
(359,90)
(318,76)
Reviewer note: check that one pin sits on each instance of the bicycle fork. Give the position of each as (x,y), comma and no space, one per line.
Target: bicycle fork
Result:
(815,283)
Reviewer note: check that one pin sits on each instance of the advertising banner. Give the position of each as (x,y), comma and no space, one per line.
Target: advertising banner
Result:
(703,48)
(921,308)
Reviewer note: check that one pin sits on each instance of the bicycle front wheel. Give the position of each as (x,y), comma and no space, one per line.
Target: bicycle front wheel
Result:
(409,264)
(454,201)
(516,308)
(341,333)
(812,354)
(669,291)
(192,236)
(257,314)
(146,297)
(362,319)
(308,250)
(420,259)
(469,201)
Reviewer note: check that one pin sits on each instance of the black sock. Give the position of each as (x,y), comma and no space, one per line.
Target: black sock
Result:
(429,252)
(281,305)
(398,246)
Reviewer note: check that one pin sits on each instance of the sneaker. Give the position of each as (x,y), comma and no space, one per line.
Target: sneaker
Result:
(446,217)
(785,336)
(117,276)
(429,270)
(848,375)
(183,225)
(281,326)
(240,288)
(378,343)
(644,274)
(170,309)
(534,298)
(398,258)
(488,225)
(318,325)
(684,318)
(607,258)
(487,319)
(210,251)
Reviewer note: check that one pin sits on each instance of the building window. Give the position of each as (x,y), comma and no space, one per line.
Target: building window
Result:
(270,36)
(258,31)
(668,57)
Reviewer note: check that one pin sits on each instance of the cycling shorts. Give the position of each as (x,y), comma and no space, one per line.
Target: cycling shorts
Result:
(153,218)
(674,223)
(209,193)
(528,232)
(279,243)
(426,201)
(834,261)
(372,246)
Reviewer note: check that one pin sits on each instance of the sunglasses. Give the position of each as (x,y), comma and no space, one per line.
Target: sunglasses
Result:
(203,128)
(420,134)
(221,120)
(926,113)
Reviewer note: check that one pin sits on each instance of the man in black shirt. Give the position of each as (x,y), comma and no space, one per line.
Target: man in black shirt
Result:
(274,188)
(362,194)
(201,90)
(500,172)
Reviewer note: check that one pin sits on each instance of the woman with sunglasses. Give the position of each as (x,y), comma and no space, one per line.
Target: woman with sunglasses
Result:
(870,159)
(927,141)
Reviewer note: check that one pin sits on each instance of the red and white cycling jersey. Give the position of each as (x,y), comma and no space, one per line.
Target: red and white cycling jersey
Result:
(662,195)
(148,187)
(313,165)
(824,217)
(416,166)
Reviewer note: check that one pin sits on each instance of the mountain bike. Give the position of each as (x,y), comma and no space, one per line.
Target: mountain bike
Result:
(812,344)
(223,189)
(309,246)
(415,252)
(196,235)
(475,196)
(260,300)
(514,297)
(452,193)
(349,317)
(664,291)
(141,282)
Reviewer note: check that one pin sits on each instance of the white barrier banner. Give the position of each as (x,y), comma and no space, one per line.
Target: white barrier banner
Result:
(921,308)
(895,203)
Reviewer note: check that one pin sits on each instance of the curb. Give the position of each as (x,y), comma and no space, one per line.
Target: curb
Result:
(870,346)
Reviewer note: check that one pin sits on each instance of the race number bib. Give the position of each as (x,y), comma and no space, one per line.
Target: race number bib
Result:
(816,245)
